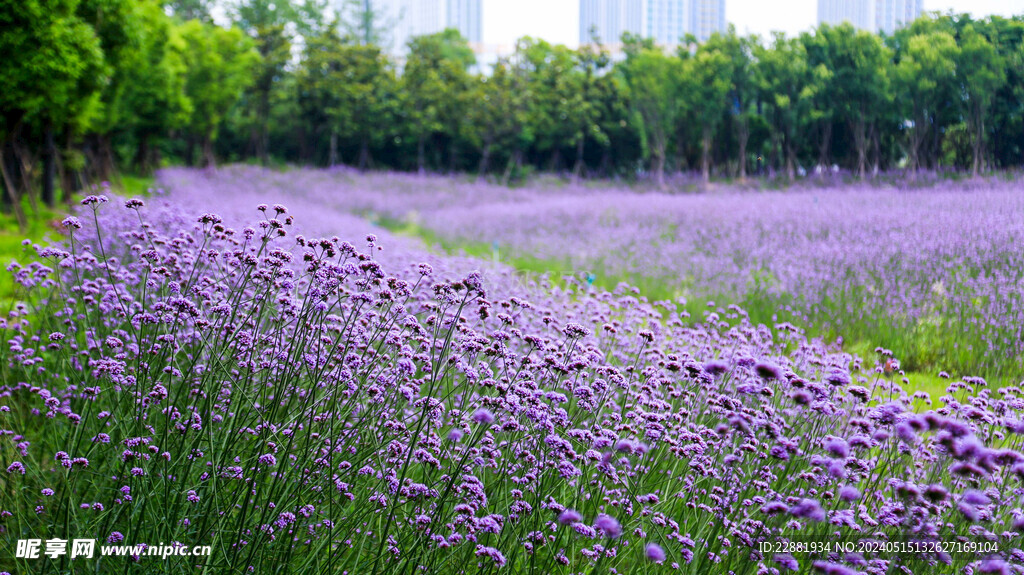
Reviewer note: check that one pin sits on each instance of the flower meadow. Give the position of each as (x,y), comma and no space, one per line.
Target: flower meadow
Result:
(308,394)
(932,272)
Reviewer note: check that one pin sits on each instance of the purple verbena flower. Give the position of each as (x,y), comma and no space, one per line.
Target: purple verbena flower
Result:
(654,552)
(608,526)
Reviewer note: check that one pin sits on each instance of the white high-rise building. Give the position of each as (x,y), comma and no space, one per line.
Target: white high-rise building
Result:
(666,21)
(708,17)
(467,17)
(609,19)
(874,15)
(890,15)
(860,13)
(409,18)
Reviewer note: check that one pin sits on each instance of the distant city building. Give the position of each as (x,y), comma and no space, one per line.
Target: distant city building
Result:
(609,19)
(666,21)
(874,15)
(891,15)
(708,17)
(467,17)
(860,13)
(409,18)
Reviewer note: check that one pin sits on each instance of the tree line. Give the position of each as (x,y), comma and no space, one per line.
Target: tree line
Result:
(94,86)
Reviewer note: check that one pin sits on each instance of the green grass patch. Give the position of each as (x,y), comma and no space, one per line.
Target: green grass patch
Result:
(43,226)
(132,185)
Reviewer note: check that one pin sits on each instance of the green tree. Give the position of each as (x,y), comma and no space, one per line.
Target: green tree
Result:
(1006,115)
(651,79)
(742,94)
(315,78)
(981,73)
(363,23)
(787,86)
(926,65)
(526,114)
(553,83)
(52,74)
(365,103)
(314,17)
(497,114)
(186,10)
(708,80)
(584,111)
(820,54)
(859,83)
(434,77)
(134,37)
(266,22)
(154,97)
(219,63)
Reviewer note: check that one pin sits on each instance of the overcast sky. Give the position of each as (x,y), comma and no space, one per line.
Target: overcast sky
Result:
(558,20)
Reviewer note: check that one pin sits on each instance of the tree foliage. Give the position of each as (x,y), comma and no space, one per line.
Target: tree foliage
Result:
(90,85)
(218,67)
(651,83)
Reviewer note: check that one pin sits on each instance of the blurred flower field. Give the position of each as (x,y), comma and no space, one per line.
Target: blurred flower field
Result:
(934,274)
(245,362)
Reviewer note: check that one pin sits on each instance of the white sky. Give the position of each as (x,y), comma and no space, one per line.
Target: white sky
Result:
(557,21)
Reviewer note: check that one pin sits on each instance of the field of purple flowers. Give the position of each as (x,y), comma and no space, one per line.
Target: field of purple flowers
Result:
(306,393)
(934,274)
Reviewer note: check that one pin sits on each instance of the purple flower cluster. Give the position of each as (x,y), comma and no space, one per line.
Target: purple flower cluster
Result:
(305,403)
(931,273)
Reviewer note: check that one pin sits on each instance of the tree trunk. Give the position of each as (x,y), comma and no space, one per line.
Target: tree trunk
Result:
(107,166)
(453,156)
(421,160)
(485,159)
(91,159)
(208,160)
(979,136)
(514,162)
(876,144)
(364,154)
(916,142)
(265,144)
(824,146)
(26,169)
(154,157)
(142,156)
(705,155)
(786,155)
(190,151)
(556,160)
(49,164)
(263,128)
(305,150)
(790,159)
(778,160)
(66,183)
(12,194)
(658,165)
(332,154)
(577,169)
(860,141)
(741,139)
